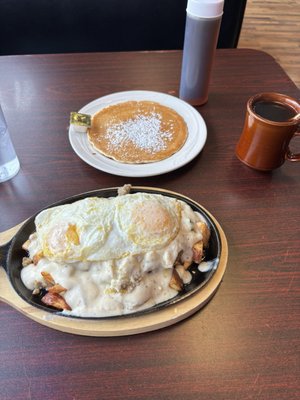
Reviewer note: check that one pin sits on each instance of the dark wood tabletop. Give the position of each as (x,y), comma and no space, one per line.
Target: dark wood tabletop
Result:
(244,344)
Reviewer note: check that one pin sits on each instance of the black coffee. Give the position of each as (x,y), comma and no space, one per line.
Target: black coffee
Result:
(272,111)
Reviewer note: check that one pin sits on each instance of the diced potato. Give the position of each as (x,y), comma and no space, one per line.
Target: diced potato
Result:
(186,264)
(55,300)
(37,288)
(25,246)
(57,288)
(205,232)
(175,281)
(37,257)
(26,261)
(178,259)
(48,278)
(198,252)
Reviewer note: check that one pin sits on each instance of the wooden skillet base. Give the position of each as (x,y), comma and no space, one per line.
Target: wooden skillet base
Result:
(116,326)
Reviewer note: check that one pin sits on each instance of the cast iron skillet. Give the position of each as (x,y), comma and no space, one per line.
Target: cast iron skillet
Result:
(11,254)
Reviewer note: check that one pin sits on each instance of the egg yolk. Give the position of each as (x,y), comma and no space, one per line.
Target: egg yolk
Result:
(152,224)
(72,235)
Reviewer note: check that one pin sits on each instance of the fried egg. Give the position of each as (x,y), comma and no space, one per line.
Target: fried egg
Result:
(97,229)
(72,232)
(150,222)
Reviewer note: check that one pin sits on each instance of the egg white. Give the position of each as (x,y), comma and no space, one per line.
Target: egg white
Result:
(73,232)
(98,229)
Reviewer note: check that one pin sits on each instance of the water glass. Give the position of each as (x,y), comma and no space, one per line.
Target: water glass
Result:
(9,163)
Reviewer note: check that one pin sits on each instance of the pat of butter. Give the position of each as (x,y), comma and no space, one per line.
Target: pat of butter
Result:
(81,122)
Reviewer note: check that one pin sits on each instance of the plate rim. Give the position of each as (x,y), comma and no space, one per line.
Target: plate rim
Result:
(185,155)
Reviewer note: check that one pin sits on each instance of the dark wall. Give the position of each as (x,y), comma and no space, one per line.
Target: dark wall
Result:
(57,26)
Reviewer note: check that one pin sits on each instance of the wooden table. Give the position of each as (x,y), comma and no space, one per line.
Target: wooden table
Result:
(245,343)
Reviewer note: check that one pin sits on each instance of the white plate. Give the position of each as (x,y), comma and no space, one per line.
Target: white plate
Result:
(196,139)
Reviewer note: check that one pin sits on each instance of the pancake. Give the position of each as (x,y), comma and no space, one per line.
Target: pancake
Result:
(137,132)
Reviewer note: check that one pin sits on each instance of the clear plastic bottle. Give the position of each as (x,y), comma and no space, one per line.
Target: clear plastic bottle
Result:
(202,28)
(9,162)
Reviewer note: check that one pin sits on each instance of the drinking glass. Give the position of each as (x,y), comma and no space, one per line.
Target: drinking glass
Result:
(9,162)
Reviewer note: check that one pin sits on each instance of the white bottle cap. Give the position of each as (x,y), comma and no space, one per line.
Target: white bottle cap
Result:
(205,8)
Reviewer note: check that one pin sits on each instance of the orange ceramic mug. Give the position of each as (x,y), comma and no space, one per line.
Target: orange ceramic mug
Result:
(272,120)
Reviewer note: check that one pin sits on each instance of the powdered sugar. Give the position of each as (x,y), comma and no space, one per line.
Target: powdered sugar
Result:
(143,131)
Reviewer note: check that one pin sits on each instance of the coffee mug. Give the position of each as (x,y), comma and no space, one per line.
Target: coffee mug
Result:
(272,120)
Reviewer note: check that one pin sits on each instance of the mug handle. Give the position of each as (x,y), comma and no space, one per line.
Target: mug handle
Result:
(291,156)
